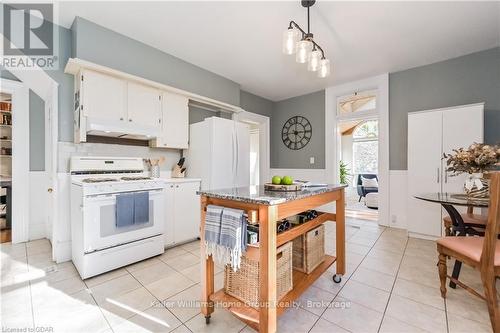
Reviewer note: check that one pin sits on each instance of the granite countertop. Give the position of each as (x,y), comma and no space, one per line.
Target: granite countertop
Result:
(257,194)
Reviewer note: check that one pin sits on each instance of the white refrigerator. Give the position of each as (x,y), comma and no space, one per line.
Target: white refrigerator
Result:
(219,153)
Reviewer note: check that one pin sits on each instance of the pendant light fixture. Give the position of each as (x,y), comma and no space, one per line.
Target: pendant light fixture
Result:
(296,40)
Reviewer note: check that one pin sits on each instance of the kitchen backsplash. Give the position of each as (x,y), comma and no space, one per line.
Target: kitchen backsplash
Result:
(68,149)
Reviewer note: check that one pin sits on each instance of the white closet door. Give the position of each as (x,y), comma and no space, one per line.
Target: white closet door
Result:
(424,171)
(461,127)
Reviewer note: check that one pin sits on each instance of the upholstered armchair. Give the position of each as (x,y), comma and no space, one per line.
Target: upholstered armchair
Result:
(363,190)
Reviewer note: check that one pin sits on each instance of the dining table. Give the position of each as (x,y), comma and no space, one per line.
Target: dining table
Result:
(450,202)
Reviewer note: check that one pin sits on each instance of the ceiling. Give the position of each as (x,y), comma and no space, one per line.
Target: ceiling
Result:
(241,40)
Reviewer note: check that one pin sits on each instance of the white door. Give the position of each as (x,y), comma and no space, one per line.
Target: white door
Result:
(222,154)
(169,215)
(104,97)
(175,130)
(144,106)
(242,154)
(461,127)
(424,171)
(187,212)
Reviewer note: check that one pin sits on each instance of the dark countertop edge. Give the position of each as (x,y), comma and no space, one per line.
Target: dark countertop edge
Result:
(271,202)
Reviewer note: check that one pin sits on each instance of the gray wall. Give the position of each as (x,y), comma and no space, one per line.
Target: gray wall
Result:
(469,79)
(311,106)
(256,104)
(105,47)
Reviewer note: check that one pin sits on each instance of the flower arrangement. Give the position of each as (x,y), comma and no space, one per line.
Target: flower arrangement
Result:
(475,161)
(478,158)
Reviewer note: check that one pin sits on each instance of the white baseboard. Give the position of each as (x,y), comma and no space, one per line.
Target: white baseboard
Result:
(398,194)
(421,236)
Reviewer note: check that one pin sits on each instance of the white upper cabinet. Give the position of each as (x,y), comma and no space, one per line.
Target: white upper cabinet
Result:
(144,106)
(104,97)
(175,122)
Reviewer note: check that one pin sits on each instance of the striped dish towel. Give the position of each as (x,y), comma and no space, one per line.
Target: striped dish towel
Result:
(232,236)
(225,235)
(213,219)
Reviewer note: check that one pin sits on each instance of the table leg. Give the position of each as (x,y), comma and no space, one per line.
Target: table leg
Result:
(268,215)
(457,224)
(340,233)
(207,269)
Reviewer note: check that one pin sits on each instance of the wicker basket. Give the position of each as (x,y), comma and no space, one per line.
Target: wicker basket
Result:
(244,283)
(309,250)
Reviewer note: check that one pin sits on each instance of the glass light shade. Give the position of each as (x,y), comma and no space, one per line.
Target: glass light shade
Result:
(324,68)
(290,38)
(313,62)
(303,49)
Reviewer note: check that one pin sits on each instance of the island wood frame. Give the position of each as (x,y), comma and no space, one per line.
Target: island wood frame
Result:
(264,319)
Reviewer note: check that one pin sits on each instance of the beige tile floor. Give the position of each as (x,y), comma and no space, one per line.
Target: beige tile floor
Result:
(391,285)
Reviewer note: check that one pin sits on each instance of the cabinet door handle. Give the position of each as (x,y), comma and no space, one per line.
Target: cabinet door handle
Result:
(177,186)
(171,186)
(130,120)
(121,118)
(446,177)
(438,175)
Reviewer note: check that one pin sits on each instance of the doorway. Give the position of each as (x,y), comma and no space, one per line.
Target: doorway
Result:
(259,145)
(5,167)
(358,166)
(254,155)
(358,153)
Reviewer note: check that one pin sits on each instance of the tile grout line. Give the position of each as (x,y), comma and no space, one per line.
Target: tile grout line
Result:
(393,284)
(29,286)
(89,291)
(347,280)
(161,302)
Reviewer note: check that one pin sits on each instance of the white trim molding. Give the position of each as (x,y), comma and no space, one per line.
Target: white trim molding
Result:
(264,140)
(20,159)
(379,83)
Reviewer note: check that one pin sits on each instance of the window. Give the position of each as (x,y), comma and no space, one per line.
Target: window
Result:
(365,147)
(357,102)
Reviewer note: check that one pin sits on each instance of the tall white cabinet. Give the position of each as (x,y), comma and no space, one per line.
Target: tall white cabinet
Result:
(430,134)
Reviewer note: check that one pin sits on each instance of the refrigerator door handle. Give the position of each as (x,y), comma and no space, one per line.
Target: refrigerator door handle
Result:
(233,157)
(237,154)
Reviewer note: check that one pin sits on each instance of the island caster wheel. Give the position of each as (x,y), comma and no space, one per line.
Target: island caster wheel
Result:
(337,278)
(207,320)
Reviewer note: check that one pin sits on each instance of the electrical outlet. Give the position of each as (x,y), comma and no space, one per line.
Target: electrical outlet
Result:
(311,160)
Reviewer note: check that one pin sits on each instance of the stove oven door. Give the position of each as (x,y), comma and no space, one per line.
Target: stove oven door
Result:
(99,221)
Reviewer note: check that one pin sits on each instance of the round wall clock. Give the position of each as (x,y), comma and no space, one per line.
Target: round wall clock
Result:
(296,132)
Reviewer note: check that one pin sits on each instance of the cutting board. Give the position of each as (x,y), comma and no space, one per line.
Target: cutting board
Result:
(282,188)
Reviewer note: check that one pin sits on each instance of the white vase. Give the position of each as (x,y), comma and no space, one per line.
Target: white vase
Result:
(476,186)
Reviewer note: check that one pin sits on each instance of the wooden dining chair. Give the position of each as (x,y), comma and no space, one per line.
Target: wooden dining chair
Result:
(481,253)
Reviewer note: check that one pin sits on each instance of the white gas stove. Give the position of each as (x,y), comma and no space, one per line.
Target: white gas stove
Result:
(117,213)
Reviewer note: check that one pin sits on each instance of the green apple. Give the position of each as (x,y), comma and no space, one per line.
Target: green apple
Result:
(287,180)
(276,180)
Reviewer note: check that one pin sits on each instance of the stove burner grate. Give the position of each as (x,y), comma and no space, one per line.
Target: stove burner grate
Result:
(99,180)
